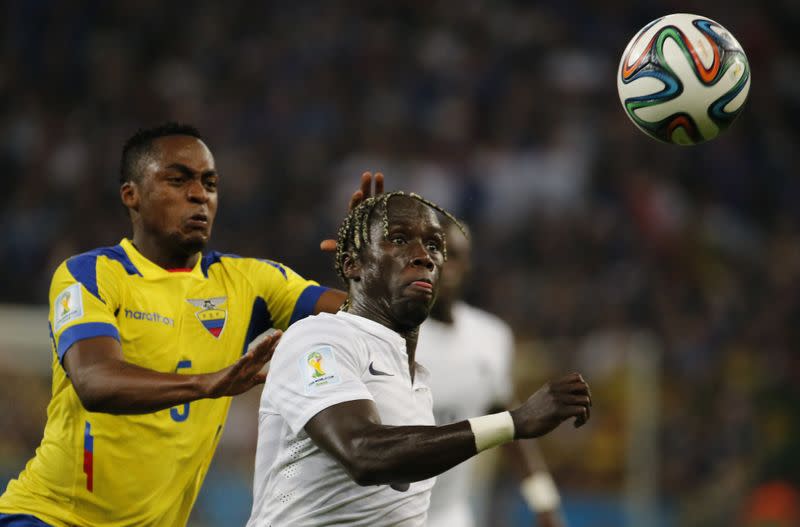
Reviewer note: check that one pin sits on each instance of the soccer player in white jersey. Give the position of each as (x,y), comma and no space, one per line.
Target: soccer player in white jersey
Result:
(468,353)
(346,429)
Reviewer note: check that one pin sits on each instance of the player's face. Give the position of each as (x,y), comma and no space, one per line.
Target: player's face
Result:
(178,198)
(457,267)
(401,270)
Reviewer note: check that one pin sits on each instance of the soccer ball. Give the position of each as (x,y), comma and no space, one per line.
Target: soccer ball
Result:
(683,79)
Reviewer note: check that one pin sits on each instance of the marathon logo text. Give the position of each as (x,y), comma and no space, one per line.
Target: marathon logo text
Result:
(150,317)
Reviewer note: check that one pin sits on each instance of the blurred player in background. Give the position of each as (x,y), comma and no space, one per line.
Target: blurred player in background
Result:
(468,353)
(346,429)
(150,337)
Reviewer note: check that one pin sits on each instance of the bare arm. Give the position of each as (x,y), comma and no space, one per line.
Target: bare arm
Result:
(373,453)
(330,301)
(106,383)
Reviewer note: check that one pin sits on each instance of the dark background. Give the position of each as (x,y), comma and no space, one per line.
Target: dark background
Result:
(588,235)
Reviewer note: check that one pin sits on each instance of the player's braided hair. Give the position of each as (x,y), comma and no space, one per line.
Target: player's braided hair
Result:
(353,234)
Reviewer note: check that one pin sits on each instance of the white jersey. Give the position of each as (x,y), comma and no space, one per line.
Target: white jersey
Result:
(322,361)
(470,372)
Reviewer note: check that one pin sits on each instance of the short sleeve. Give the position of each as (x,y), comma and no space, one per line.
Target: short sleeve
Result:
(289,296)
(78,309)
(313,369)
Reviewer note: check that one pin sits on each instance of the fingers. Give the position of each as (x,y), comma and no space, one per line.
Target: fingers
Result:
(263,346)
(580,413)
(365,189)
(366,184)
(355,199)
(575,394)
(327,246)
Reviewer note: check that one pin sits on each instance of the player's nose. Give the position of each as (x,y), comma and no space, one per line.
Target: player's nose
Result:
(196,192)
(420,256)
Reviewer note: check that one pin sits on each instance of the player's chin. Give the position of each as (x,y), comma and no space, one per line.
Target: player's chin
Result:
(194,241)
(413,311)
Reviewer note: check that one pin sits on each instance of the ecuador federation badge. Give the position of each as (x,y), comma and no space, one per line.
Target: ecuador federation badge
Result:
(210,313)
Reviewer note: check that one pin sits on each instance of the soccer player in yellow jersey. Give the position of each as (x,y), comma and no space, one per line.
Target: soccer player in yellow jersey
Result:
(150,338)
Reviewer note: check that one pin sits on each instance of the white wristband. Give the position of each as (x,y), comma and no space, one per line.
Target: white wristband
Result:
(492,430)
(540,491)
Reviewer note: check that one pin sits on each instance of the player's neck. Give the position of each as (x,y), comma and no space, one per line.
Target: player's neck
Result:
(164,257)
(380,314)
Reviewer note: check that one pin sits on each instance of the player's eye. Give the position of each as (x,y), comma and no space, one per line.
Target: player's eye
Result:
(397,239)
(211,183)
(434,246)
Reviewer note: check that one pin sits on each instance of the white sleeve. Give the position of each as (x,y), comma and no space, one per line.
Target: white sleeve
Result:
(311,371)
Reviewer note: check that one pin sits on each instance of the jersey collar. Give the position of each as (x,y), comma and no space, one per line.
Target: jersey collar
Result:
(153,270)
(375,328)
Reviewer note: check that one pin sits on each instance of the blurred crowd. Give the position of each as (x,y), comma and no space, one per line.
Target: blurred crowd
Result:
(505,112)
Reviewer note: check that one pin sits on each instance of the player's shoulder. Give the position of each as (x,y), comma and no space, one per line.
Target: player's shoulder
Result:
(479,318)
(93,267)
(322,324)
(213,260)
(324,329)
(89,260)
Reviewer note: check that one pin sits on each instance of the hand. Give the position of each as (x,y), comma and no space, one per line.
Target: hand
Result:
(358,196)
(246,372)
(552,404)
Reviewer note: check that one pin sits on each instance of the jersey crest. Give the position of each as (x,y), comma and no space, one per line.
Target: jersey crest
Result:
(210,313)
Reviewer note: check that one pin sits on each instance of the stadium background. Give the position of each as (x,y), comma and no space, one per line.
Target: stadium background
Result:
(669,276)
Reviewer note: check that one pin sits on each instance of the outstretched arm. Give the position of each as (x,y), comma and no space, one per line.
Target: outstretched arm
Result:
(106,383)
(373,453)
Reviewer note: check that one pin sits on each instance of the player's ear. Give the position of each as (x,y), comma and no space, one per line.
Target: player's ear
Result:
(129,193)
(351,265)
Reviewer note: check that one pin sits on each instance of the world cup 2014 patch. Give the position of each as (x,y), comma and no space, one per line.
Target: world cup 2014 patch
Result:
(318,369)
(67,307)
(210,313)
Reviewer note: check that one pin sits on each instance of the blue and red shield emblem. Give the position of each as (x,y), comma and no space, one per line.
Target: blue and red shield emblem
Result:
(211,315)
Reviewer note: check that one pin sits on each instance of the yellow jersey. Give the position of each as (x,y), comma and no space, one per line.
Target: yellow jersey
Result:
(95,469)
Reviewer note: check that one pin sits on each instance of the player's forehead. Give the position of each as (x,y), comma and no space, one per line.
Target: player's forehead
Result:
(411,213)
(182,150)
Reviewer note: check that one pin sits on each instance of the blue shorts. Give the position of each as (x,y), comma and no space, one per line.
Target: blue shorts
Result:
(21,520)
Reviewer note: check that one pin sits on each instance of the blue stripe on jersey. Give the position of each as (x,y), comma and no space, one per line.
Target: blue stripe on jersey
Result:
(84,331)
(21,520)
(88,438)
(260,321)
(83,267)
(276,265)
(213,257)
(306,302)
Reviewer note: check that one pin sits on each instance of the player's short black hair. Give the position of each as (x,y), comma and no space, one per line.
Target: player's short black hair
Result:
(140,144)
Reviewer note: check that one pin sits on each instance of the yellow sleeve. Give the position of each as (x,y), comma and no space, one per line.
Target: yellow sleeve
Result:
(289,296)
(80,306)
